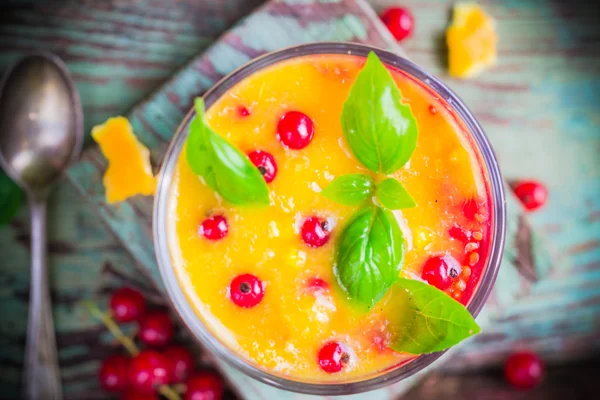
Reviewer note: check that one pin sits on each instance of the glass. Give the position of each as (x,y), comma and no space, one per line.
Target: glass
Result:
(175,292)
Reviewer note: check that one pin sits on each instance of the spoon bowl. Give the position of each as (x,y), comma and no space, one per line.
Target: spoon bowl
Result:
(41,123)
(41,133)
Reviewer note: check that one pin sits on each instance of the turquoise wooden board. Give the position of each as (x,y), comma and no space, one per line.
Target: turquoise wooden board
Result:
(86,262)
(117,50)
(538,106)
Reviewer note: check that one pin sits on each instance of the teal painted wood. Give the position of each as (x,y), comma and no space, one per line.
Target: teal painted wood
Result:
(519,107)
(117,50)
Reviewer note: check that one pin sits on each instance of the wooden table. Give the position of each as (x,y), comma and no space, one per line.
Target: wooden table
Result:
(539,107)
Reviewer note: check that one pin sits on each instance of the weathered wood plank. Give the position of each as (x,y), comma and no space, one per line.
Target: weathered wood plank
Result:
(119,51)
(538,106)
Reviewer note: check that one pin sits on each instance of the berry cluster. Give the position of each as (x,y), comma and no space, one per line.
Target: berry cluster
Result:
(162,368)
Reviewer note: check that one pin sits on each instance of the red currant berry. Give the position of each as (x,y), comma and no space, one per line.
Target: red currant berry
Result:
(317,284)
(332,357)
(246,290)
(155,329)
(295,130)
(315,231)
(127,304)
(205,385)
(214,228)
(399,21)
(132,395)
(113,373)
(440,271)
(265,164)
(524,370)
(532,194)
(181,362)
(148,370)
(243,111)
(432,109)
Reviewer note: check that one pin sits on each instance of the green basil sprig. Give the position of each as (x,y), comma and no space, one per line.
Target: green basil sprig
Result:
(382,134)
(435,322)
(224,168)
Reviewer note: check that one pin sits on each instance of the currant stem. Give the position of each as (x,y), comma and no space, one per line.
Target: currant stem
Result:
(126,341)
(168,392)
(110,324)
(180,387)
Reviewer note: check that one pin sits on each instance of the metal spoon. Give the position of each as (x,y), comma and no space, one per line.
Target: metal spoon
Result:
(41,132)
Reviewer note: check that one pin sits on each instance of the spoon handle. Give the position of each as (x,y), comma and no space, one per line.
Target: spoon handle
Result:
(42,375)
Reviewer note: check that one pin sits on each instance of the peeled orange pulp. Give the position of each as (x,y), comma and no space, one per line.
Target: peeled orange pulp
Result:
(471,40)
(129,172)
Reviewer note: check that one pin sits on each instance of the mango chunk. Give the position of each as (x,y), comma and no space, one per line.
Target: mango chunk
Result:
(471,40)
(129,171)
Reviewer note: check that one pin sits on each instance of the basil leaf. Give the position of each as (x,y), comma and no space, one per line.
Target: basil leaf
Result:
(369,255)
(380,130)
(435,321)
(11,197)
(224,168)
(392,195)
(351,189)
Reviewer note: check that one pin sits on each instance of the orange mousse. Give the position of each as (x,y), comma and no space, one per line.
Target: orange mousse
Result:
(299,307)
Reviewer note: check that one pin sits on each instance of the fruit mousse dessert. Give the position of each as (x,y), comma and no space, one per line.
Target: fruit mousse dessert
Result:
(329,219)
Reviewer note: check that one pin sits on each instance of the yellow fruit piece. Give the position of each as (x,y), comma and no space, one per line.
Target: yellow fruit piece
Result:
(129,172)
(471,41)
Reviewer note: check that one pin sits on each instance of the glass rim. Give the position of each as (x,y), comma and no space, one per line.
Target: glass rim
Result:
(160,237)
